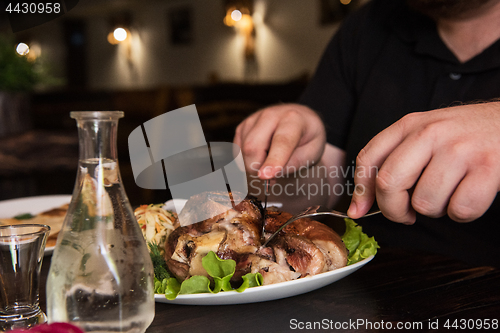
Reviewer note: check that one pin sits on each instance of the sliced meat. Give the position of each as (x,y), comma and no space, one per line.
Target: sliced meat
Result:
(271,271)
(300,253)
(230,234)
(326,240)
(242,235)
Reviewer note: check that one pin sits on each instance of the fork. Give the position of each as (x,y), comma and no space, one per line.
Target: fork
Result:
(310,212)
(266,193)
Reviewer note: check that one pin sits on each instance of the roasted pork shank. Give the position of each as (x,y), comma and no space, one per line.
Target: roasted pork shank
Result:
(233,233)
(305,247)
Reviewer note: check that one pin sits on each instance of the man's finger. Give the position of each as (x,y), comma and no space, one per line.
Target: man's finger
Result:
(470,201)
(285,140)
(368,163)
(437,183)
(256,140)
(400,172)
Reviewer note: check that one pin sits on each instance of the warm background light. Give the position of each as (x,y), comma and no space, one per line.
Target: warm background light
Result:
(22,49)
(228,19)
(236,15)
(245,24)
(120,34)
(279,26)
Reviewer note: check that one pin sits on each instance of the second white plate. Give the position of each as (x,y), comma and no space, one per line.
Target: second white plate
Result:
(33,205)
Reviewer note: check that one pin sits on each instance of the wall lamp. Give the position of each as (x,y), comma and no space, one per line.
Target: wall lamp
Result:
(118,35)
(239,15)
(119,29)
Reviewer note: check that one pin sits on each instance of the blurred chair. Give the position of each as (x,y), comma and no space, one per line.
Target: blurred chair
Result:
(37,159)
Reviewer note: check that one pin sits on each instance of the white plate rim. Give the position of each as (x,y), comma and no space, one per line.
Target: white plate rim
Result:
(267,292)
(33,205)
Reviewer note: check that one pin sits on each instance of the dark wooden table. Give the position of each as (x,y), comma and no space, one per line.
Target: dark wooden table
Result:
(397,289)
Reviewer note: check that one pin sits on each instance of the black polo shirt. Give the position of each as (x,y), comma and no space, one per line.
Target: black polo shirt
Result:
(387,61)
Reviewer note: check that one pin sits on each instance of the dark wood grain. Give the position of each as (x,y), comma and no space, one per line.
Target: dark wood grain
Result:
(395,287)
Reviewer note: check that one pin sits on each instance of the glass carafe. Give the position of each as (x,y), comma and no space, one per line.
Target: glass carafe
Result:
(101,275)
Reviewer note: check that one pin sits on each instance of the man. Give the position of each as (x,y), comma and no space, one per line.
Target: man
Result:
(389,63)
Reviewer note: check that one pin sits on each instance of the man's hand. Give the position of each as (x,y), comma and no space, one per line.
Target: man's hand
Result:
(435,163)
(281,136)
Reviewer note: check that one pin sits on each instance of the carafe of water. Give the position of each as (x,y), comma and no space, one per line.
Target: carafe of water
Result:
(101,275)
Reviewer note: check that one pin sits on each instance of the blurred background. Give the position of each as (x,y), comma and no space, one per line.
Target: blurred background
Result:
(147,57)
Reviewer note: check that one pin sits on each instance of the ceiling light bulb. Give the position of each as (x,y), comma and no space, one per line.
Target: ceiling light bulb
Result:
(120,34)
(22,49)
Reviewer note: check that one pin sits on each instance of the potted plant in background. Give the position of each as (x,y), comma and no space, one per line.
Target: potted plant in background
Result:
(32,160)
(18,77)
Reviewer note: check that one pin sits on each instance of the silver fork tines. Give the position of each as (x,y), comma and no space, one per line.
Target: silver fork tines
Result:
(311,212)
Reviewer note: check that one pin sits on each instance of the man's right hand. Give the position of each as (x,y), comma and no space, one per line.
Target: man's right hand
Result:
(281,136)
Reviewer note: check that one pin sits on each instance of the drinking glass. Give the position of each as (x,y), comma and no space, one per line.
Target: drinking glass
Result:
(21,254)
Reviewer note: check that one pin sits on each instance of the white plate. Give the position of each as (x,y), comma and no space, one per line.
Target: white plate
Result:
(268,292)
(263,293)
(33,205)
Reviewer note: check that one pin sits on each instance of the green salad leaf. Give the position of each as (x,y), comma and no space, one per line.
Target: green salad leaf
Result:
(25,216)
(359,245)
(196,284)
(172,288)
(221,272)
(251,280)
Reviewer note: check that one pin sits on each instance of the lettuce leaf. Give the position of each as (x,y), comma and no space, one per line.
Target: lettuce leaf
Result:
(250,280)
(359,245)
(195,285)
(221,272)
(172,288)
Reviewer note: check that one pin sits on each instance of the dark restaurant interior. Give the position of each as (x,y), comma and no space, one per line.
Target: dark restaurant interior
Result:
(174,53)
(231,58)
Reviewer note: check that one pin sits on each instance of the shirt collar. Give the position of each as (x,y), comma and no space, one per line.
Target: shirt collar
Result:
(420,30)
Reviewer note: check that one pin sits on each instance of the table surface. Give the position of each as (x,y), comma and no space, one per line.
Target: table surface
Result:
(418,290)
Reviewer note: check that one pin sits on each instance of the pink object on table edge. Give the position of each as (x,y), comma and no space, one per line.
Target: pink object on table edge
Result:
(51,328)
